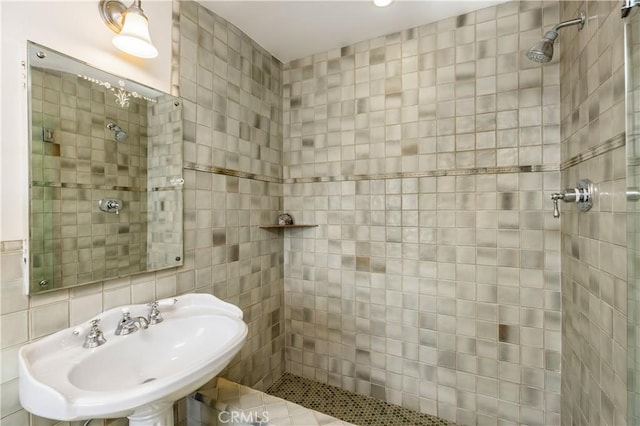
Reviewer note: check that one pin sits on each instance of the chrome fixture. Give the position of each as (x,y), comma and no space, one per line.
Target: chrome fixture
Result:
(47,135)
(633,194)
(627,5)
(542,51)
(582,195)
(128,325)
(120,135)
(110,205)
(95,337)
(154,314)
(131,25)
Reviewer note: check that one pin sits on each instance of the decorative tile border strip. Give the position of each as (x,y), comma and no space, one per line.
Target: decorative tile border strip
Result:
(229,172)
(615,142)
(164,188)
(611,144)
(87,186)
(432,173)
(103,187)
(601,149)
(399,175)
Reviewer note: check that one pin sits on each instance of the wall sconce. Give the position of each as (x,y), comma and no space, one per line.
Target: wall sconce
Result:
(131,26)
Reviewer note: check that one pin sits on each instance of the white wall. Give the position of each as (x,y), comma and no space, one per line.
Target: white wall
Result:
(76,29)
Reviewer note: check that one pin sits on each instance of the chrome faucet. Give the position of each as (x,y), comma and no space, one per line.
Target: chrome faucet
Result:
(128,325)
(95,337)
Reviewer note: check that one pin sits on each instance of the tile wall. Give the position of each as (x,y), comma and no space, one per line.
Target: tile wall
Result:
(594,258)
(232,108)
(426,158)
(230,88)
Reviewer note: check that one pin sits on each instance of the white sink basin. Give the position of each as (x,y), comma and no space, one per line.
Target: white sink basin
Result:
(137,375)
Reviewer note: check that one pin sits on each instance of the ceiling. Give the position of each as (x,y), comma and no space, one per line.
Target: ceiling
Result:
(296,29)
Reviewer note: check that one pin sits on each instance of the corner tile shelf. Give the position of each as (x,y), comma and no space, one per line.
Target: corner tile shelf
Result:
(286,226)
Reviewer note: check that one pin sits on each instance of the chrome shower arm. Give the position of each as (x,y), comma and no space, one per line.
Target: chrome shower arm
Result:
(577,21)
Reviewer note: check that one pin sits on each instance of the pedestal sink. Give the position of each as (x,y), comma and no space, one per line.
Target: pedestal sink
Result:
(139,375)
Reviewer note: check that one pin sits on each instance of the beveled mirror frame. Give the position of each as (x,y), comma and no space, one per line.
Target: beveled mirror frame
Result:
(105,175)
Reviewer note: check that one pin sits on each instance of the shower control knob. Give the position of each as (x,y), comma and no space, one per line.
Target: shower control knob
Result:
(581,195)
(110,205)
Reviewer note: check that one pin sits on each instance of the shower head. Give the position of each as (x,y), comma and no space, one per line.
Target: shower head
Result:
(120,135)
(542,51)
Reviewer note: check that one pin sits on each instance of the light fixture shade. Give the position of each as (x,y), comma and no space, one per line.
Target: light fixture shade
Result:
(382,3)
(134,37)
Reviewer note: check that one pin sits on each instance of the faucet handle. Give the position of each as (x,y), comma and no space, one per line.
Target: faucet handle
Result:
(95,337)
(154,314)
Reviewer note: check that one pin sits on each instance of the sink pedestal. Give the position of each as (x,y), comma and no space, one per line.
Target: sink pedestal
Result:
(158,414)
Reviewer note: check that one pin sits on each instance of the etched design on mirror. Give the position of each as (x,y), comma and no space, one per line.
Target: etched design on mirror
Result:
(73,241)
(122,96)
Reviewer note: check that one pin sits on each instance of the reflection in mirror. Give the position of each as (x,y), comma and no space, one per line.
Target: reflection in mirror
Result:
(105,174)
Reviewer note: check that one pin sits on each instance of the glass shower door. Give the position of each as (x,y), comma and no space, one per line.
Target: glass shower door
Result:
(632,62)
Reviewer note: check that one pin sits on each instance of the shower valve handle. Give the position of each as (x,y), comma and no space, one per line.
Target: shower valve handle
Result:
(568,195)
(110,205)
(582,195)
(555,197)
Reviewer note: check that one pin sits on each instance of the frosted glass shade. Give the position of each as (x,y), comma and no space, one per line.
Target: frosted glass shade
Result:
(134,37)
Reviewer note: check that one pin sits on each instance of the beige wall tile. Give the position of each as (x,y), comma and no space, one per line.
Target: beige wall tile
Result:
(48,319)
(15,329)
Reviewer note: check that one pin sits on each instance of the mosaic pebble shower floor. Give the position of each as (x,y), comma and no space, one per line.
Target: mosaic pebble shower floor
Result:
(348,406)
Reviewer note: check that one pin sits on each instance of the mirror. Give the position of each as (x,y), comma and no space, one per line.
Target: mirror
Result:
(105,174)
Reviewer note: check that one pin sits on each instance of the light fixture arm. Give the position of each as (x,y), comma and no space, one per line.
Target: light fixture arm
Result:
(111,12)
